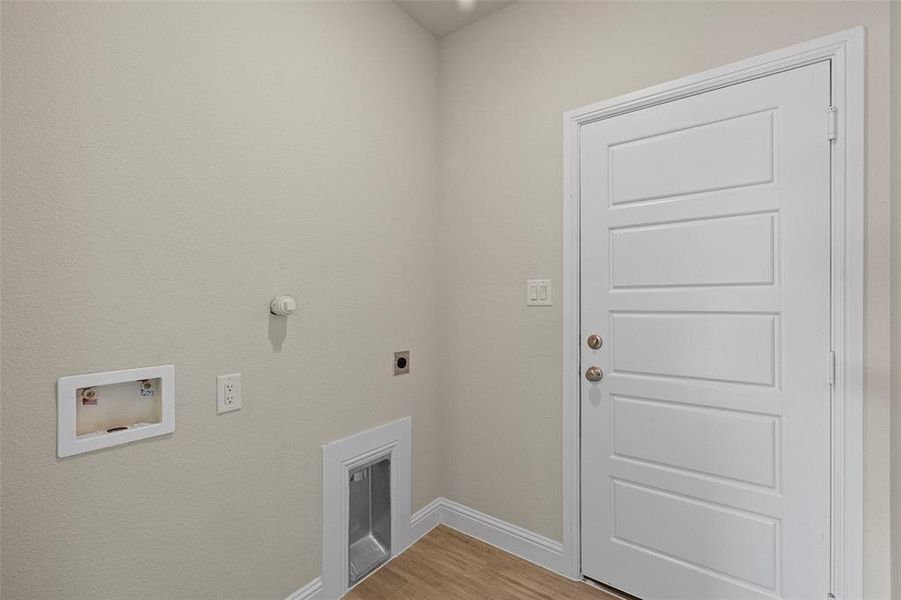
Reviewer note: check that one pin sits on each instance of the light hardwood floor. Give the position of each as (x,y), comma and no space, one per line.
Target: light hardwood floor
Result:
(445,564)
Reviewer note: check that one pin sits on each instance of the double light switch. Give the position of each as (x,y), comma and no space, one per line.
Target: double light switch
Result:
(538,292)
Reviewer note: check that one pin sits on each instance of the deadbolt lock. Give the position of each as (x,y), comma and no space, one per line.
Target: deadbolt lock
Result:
(595,341)
(594,374)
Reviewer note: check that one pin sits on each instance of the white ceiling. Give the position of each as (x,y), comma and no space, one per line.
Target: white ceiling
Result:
(441,17)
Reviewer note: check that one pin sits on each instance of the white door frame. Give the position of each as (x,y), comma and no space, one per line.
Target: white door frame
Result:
(846,51)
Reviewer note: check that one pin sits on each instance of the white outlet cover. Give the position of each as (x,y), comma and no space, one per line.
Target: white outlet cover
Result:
(228,393)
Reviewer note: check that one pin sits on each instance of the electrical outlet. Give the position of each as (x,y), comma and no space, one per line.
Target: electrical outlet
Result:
(228,393)
(402,362)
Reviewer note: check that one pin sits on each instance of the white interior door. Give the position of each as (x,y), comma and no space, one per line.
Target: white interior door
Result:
(705,268)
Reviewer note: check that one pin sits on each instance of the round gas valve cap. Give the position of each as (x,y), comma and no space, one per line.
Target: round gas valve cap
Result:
(282,306)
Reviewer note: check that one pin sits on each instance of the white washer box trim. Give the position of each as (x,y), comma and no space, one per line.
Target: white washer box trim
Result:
(67,440)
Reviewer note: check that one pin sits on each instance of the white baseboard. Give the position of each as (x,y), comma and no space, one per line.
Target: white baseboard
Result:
(520,542)
(308,592)
(523,543)
(425,519)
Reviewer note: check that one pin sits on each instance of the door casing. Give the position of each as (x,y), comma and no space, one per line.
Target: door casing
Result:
(846,52)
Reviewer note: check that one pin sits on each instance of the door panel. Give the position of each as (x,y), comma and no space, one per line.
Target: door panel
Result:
(722,251)
(680,437)
(728,347)
(697,158)
(705,267)
(666,523)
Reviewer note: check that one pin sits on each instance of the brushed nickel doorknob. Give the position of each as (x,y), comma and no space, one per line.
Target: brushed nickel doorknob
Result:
(594,374)
(595,341)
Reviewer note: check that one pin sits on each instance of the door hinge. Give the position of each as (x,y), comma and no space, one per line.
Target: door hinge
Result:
(831,123)
(831,368)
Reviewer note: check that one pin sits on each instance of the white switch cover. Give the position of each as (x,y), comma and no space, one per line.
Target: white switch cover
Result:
(538,292)
(228,393)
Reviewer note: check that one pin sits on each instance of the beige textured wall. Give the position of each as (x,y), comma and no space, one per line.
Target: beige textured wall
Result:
(167,167)
(896,293)
(505,82)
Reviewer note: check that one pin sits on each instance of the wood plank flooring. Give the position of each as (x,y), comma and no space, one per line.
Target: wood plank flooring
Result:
(445,564)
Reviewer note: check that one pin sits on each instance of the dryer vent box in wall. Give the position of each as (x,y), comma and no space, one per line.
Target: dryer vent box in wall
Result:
(369,522)
(100,410)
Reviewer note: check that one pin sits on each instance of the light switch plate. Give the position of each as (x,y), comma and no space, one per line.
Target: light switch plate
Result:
(228,393)
(539,292)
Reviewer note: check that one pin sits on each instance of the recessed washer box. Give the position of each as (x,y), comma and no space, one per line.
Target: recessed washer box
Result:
(99,410)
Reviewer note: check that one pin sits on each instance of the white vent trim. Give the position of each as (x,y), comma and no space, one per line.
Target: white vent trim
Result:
(338,459)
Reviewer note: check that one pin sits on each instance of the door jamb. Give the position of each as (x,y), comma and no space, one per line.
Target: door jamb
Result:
(846,50)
